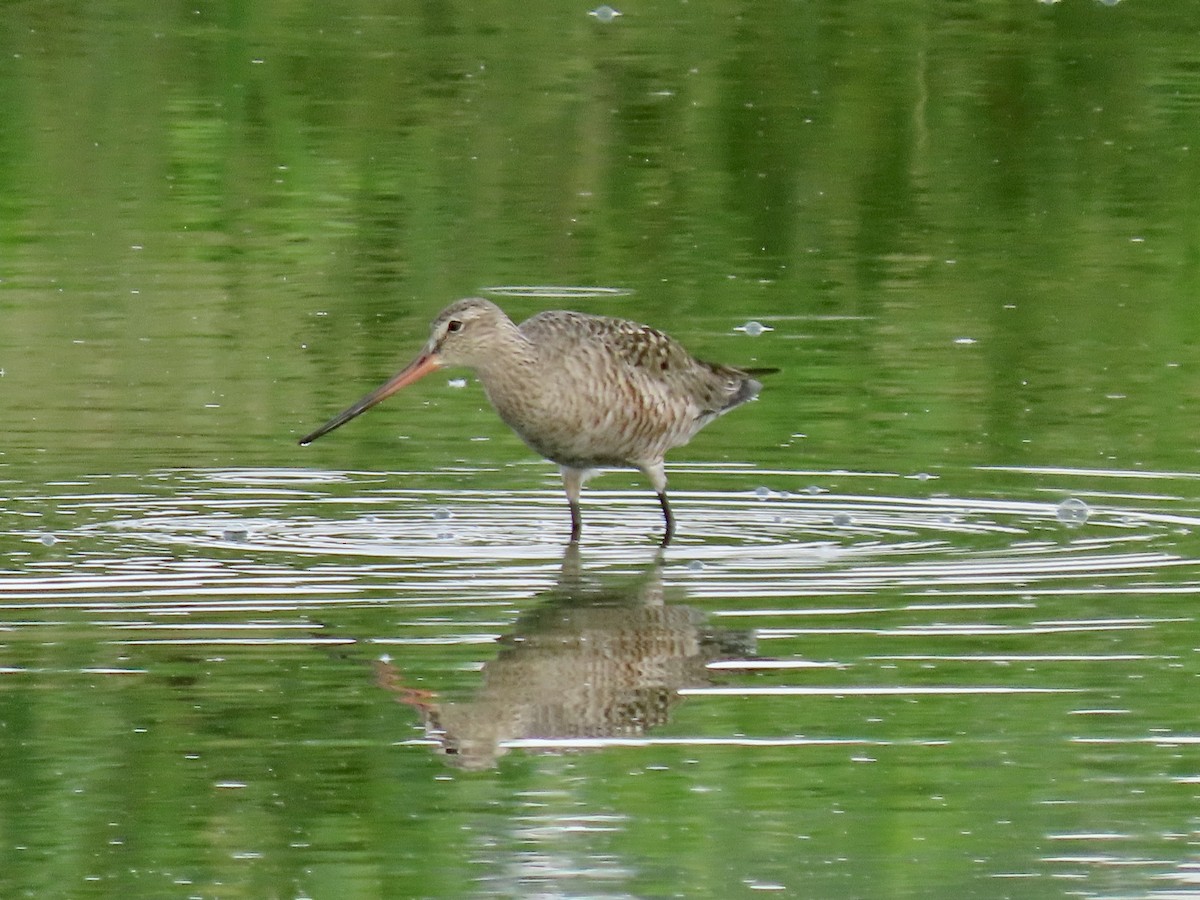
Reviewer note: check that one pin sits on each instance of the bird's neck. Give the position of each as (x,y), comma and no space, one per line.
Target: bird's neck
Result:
(511,373)
(510,358)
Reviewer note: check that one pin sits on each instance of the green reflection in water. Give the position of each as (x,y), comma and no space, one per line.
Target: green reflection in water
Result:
(972,231)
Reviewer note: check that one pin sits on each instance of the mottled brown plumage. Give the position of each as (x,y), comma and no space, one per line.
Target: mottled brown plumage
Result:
(584,391)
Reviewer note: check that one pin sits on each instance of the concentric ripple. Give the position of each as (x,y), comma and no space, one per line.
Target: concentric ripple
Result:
(297,534)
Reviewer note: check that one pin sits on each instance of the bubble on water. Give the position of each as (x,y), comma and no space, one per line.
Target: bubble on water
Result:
(235,535)
(48,540)
(753,328)
(695,566)
(1073,511)
(441,513)
(604,13)
(922,476)
(762,493)
(841,520)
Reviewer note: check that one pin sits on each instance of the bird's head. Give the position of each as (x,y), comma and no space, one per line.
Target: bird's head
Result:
(466,333)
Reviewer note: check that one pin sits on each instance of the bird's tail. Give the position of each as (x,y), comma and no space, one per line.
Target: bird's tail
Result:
(750,385)
(738,387)
(747,390)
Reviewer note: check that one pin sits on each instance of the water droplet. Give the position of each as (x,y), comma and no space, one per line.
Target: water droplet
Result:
(695,566)
(841,520)
(441,513)
(1073,511)
(754,329)
(236,535)
(922,476)
(457,383)
(813,490)
(762,493)
(604,13)
(48,540)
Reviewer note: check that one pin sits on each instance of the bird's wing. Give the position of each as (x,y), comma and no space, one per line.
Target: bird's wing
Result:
(646,357)
(640,347)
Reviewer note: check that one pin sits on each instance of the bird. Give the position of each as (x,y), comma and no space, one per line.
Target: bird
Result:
(584,391)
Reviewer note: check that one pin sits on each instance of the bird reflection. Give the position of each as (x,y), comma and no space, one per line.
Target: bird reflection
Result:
(599,657)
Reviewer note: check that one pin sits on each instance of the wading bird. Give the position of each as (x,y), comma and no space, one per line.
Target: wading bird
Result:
(586,392)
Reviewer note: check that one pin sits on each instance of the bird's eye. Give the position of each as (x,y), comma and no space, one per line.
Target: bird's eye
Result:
(454,325)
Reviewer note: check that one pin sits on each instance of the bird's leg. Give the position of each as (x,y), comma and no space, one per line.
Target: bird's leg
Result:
(658,481)
(670,519)
(572,482)
(576,521)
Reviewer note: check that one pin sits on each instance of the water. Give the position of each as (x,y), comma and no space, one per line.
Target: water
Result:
(349,663)
(927,627)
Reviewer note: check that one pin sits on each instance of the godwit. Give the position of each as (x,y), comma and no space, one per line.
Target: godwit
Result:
(584,391)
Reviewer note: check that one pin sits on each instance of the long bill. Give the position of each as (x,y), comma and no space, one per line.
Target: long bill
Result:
(418,368)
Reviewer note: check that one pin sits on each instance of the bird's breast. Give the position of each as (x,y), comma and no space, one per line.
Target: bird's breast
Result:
(587,417)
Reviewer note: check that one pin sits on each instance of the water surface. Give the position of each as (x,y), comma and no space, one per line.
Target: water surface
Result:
(928,627)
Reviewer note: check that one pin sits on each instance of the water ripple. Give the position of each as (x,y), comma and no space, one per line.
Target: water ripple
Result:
(240,532)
